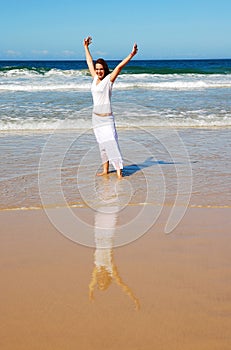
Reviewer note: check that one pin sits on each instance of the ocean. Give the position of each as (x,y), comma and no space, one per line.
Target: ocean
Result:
(173,119)
(36,95)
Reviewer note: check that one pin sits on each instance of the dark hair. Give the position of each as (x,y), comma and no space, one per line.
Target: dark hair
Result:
(104,64)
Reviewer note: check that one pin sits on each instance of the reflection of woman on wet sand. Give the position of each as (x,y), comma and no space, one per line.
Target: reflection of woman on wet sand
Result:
(103,276)
(105,270)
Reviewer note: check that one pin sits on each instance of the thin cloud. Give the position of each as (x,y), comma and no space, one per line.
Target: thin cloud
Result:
(101,53)
(12,53)
(69,53)
(40,52)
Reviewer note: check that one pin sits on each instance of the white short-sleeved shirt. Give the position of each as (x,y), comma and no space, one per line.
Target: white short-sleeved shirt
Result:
(101,94)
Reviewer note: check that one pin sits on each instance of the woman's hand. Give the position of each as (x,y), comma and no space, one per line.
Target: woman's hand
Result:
(123,63)
(87,41)
(134,50)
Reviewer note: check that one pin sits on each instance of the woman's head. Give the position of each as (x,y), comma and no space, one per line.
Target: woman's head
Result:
(101,68)
(103,277)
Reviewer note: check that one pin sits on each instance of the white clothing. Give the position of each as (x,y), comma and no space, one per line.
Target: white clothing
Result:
(104,126)
(101,94)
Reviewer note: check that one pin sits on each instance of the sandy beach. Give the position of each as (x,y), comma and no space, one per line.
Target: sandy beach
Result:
(181,282)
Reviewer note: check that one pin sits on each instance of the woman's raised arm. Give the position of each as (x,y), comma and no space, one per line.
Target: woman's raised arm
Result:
(123,63)
(89,59)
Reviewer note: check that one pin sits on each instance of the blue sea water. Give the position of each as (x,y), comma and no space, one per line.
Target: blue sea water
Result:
(37,95)
(165,111)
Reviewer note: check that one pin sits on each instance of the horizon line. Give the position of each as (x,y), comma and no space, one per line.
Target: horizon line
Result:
(115,59)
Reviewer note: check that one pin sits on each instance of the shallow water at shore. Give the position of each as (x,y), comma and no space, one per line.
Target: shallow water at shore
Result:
(159,164)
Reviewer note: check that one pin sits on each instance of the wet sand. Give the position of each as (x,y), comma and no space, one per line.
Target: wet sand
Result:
(182,281)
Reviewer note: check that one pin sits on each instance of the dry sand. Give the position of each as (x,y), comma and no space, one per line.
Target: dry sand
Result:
(182,281)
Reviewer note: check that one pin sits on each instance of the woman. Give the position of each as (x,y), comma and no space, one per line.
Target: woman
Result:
(102,117)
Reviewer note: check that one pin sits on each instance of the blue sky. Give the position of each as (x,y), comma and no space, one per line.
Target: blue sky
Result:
(53,29)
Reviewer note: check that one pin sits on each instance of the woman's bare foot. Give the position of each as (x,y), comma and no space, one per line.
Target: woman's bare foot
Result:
(105,169)
(102,174)
(119,174)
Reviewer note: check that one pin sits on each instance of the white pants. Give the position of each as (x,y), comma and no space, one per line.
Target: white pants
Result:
(106,136)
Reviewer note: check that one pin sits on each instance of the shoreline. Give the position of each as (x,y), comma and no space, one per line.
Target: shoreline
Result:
(165,127)
(82,206)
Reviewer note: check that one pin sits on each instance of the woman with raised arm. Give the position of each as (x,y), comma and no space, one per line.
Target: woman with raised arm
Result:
(102,116)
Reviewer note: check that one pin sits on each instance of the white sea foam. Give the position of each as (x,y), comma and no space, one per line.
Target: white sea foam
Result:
(197,85)
(131,118)
(45,125)
(188,100)
(44,87)
(61,80)
(32,73)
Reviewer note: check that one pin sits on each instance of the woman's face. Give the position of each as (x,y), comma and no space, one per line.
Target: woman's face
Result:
(99,70)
